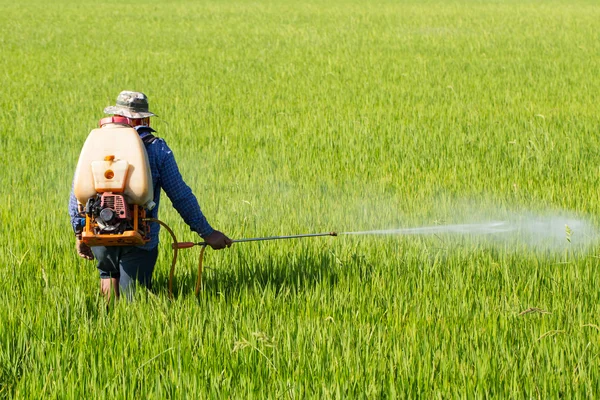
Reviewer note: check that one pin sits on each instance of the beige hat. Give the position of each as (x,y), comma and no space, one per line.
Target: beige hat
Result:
(130,104)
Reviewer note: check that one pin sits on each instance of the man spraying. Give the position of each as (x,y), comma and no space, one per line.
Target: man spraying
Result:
(122,266)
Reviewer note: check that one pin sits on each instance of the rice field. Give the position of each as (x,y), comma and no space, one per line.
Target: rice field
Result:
(299,117)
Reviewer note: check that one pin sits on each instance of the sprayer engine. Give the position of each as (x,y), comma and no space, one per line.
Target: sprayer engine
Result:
(111,213)
(111,221)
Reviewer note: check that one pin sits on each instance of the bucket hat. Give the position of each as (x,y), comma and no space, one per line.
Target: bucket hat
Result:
(130,104)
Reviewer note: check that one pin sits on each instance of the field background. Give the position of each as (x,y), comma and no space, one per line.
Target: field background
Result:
(290,117)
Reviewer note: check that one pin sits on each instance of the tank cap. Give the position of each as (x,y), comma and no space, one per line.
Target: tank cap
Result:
(114,120)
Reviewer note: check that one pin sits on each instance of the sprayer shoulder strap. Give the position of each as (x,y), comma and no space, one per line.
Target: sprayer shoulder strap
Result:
(146,135)
(149,138)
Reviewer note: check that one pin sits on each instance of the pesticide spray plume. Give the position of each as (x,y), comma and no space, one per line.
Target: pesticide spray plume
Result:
(482,228)
(538,232)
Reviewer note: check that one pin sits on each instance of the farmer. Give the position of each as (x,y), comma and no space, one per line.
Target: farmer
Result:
(123,266)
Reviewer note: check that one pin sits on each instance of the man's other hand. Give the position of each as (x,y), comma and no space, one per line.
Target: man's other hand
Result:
(217,240)
(84,250)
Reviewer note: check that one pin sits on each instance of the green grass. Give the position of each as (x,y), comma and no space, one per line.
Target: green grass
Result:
(290,118)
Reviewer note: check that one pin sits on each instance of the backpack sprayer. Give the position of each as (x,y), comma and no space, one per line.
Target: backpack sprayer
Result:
(113,187)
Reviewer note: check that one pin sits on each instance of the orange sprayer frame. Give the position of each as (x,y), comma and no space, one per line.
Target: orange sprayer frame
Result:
(127,238)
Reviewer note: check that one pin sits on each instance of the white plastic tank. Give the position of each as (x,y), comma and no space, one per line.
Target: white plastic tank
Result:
(114,159)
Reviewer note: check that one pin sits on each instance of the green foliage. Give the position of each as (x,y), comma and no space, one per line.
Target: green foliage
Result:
(287,118)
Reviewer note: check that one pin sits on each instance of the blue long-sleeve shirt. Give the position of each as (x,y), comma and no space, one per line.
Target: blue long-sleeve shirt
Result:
(166,176)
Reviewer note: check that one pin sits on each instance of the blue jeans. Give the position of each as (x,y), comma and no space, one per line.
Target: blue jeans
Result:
(131,265)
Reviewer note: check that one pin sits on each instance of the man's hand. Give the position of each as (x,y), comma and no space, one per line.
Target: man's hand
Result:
(217,240)
(84,250)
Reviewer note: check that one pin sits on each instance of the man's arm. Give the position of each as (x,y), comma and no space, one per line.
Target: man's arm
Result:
(73,210)
(83,249)
(179,192)
(185,202)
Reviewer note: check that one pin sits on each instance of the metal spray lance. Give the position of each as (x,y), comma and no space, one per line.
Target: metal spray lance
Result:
(185,245)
